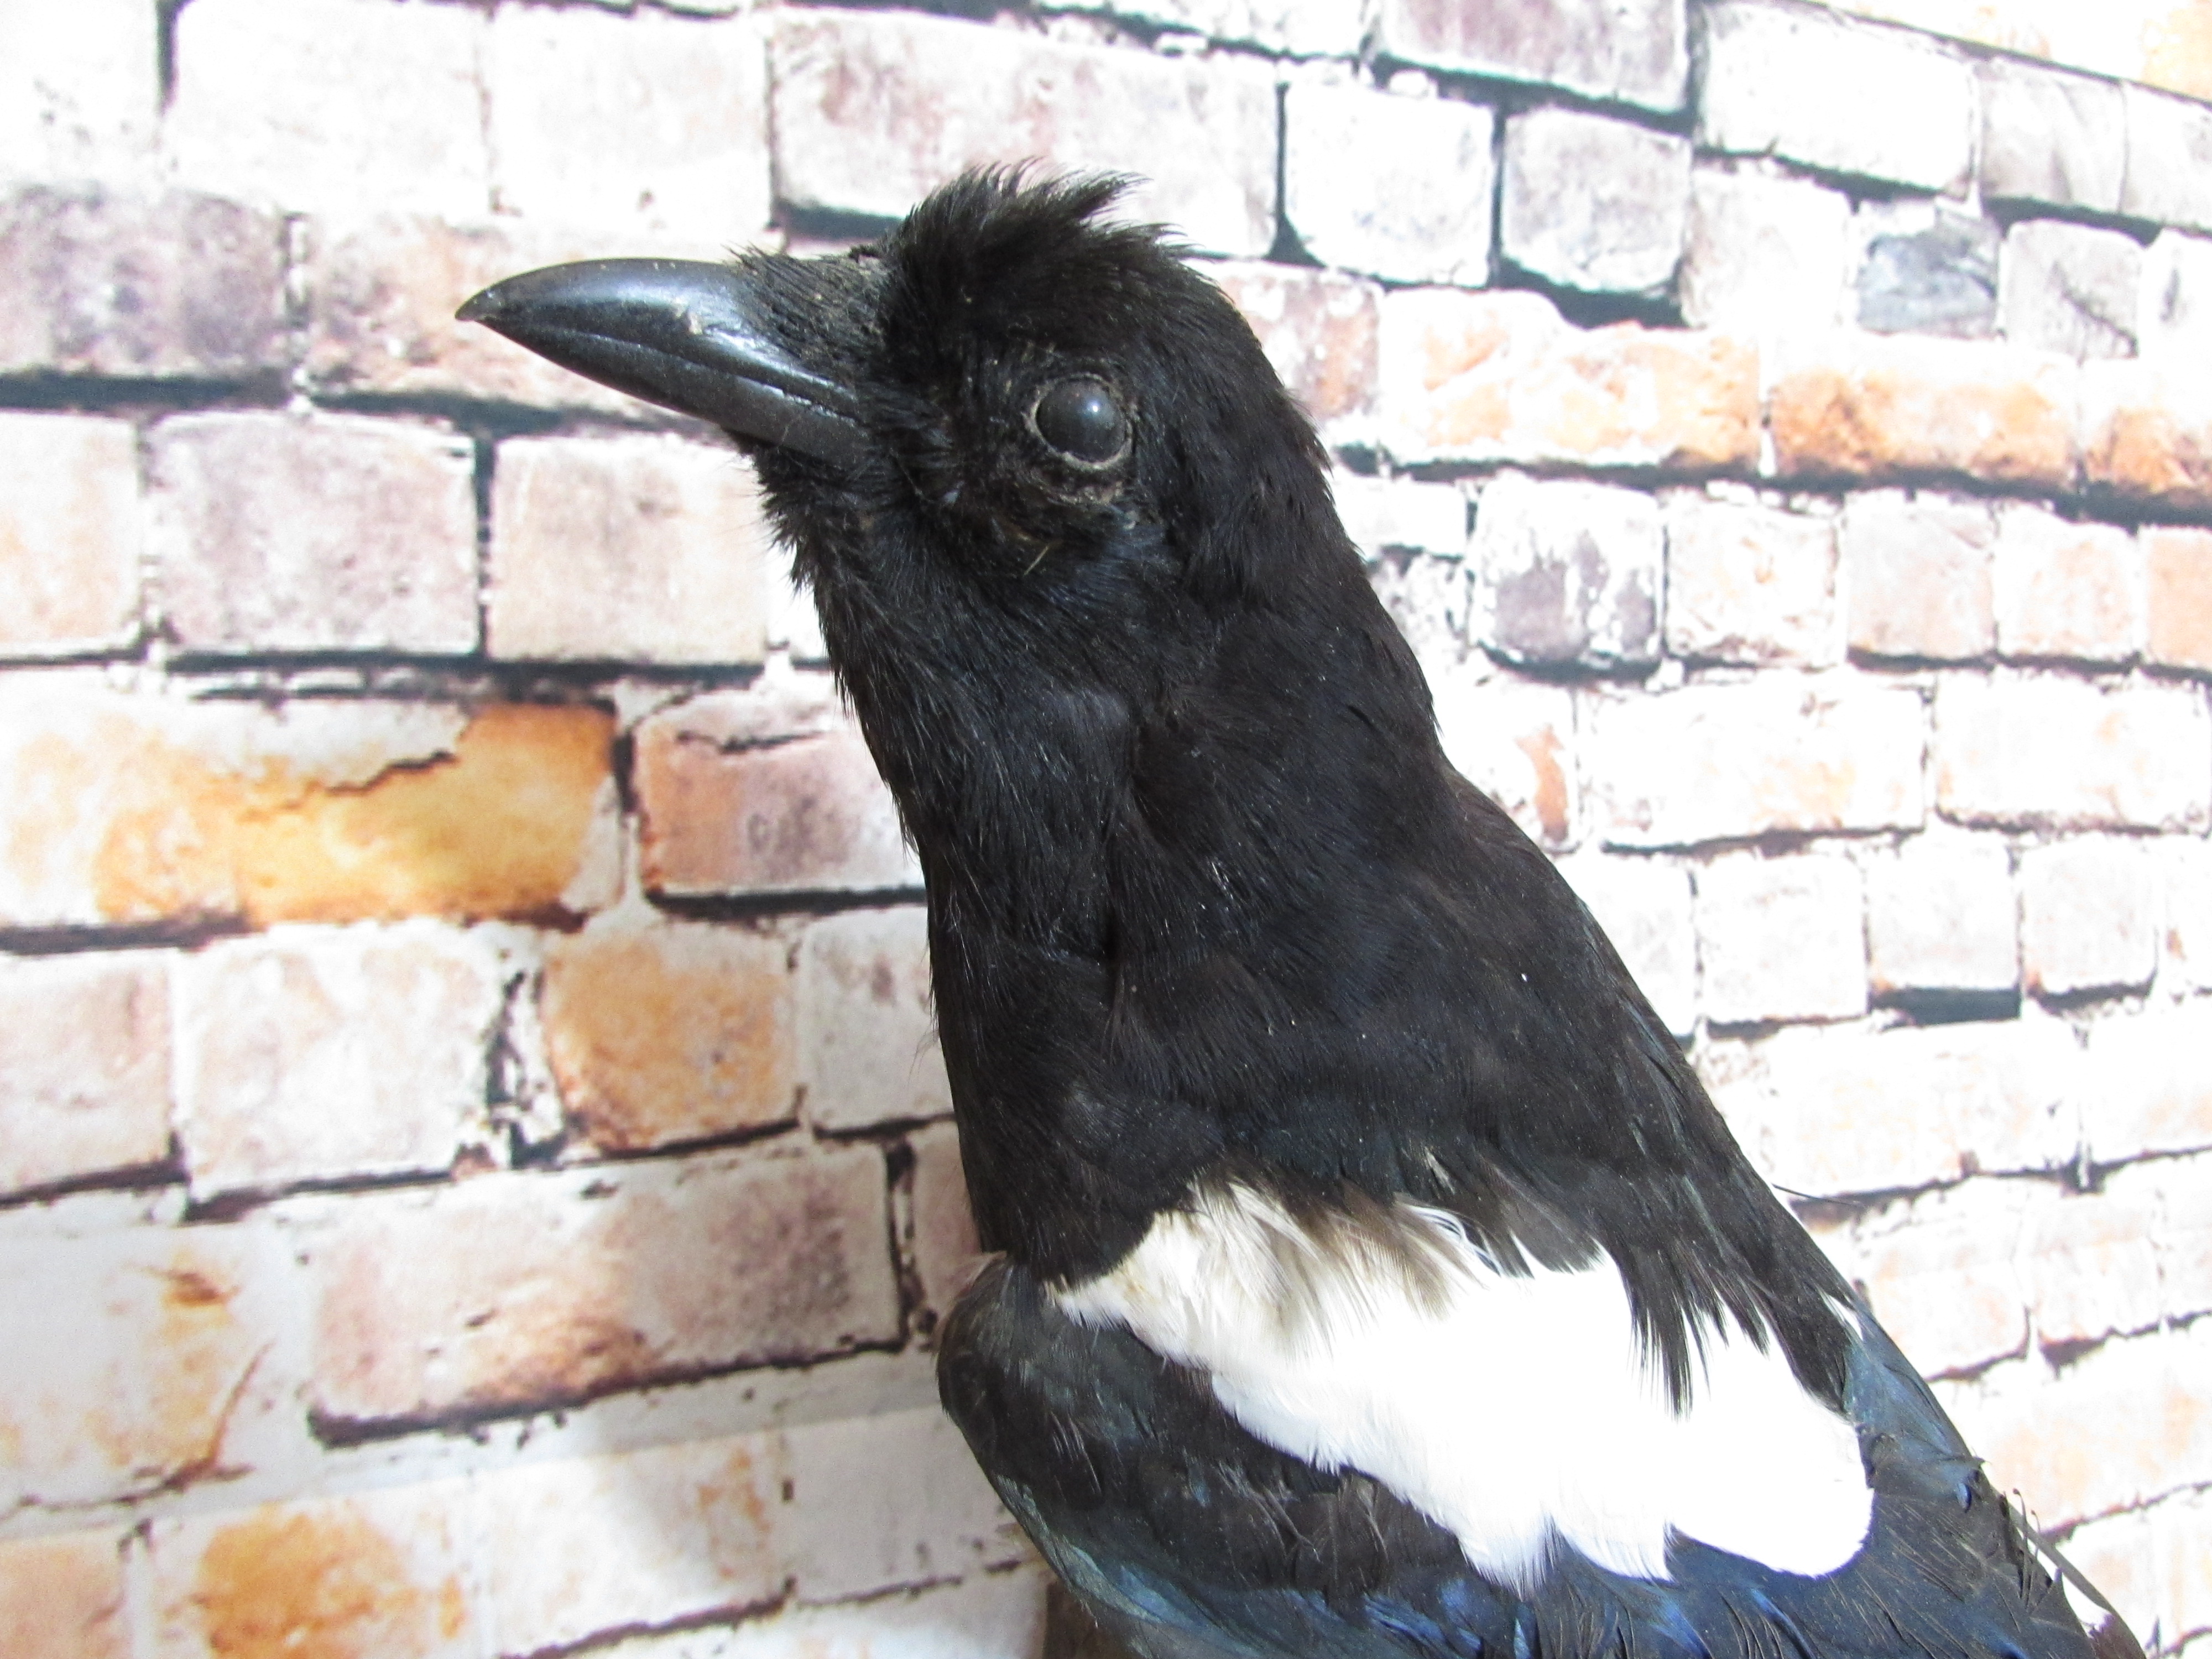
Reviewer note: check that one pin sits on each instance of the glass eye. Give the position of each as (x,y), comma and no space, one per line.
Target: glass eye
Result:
(1082,419)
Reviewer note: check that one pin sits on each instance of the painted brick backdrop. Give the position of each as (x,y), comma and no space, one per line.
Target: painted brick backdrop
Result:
(474,1176)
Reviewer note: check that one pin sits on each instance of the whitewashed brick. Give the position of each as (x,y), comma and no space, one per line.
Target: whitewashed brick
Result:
(2050,137)
(1515,741)
(942,1243)
(1431,600)
(1383,515)
(2071,288)
(2169,173)
(1568,572)
(2068,591)
(2089,913)
(1792,83)
(2176,313)
(1781,938)
(1941,1271)
(69,534)
(2090,1261)
(2151,1092)
(2185,940)
(1762,253)
(322,532)
(2154,1565)
(1849,1110)
(341,107)
(1750,583)
(940,96)
(1917,571)
(84,1067)
(1634,51)
(1725,762)
(867,1037)
(647,120)
(1593,204)
(2042,751)
(80,92)
(1397,187)
(314,1054)
(1301,28)
(636,548)
(2182,1234)
(1942,916)
(1645,906)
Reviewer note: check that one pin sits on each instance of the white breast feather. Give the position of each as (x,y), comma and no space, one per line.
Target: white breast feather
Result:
(1509,1409)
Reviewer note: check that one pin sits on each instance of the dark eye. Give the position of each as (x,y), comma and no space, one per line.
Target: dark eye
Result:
(1082,419)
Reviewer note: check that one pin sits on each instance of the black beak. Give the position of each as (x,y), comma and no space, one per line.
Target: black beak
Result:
(680,333)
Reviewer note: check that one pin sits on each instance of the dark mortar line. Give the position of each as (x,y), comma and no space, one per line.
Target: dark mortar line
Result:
(185,933)
(152,1177)
(146,396)
(762,907)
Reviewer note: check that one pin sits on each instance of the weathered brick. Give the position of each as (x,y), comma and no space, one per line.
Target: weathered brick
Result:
(311,1053)
(2176,313)
(84,1068)
(1387,515)
(874,109)
(1791,82)
(1750,583)
(1781,938)
(62,1597)
(1917,570)
(517,1290)
(2040,752)
(115,281)
(2072,288)
(726,812)
(2147,433)
(327,532)
(1318,328)
(1592,204)
(1723,763)
(2181,1191)
(1873,408)
(1645,907)
(2151,1093)
(2120,1426)
(2066,591)
(1761,253)
(2178,571)
(638,547)
(142,1360)
(945,1250)
(1569,572)
(1301,28)
(2090,1261)
(384,1571)
(79,89)
(2089,915)
(1941,1271)
(1842,1111)
(1926,269)
(69,534)
(1515,741)
(1354,202)
(342,107)
(1000,1615)
(125,809)
(664,1032)
(867,1039)
(1635,53)
(2054,139)
(1942,916)
(2186,942)
(1501,377)
(644,120)
(2169,170)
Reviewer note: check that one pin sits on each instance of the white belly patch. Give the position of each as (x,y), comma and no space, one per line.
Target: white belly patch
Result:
(1510,1409)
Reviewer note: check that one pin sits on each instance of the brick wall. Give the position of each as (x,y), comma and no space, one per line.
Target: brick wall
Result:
(474,1179)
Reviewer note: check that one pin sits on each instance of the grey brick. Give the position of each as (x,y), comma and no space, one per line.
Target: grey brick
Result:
(2169,176)
(2050,137)
(2071,288)
(1927,271)
(1592,204)
(1571,571)
(1634,51)
(2176,315)
(1398,187)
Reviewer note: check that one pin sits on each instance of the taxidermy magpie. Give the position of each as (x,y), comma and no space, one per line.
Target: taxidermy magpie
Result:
(1372,1277)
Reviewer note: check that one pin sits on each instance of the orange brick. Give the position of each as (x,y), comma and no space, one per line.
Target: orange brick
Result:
(380,1575)
(2180,573)
(1515,741)
(1318,327)
(116,809)
(666,1032)
(520,1291)
(84,1067)
(945,1250)
(1502,377)
(62,1598)
(1916,407)
(2147,436)
(726,812)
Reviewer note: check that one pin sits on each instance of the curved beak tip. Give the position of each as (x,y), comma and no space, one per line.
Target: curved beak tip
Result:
(478,307)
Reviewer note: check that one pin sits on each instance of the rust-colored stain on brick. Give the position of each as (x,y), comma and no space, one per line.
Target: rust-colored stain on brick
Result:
(2144,452)
(62,1598)
(1880,423)
(666,1034)
(282,1585)
(499,827)
(1550,799)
